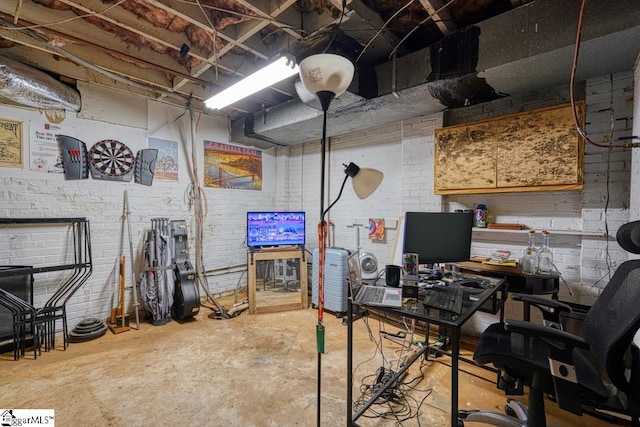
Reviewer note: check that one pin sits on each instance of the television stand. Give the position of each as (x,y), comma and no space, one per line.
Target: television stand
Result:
(266,305)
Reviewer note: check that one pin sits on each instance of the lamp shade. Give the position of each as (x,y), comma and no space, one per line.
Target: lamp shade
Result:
(364,180)
(326,72)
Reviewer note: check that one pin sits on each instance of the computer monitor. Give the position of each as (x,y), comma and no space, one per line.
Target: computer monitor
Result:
(438,237)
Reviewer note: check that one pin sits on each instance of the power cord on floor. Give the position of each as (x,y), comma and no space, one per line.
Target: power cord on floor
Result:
(397,401)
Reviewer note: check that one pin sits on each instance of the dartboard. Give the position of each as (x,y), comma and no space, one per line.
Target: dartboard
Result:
(112,160)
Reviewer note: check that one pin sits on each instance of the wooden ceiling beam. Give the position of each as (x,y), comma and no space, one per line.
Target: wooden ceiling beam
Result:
(191,13)
(440,15)
(130,22)
(145,58)
(131,68)
(37,58)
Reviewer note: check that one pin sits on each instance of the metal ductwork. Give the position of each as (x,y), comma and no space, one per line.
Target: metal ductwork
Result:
(27,86)
(527,49)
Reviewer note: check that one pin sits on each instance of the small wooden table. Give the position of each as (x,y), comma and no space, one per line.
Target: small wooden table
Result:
(275,254)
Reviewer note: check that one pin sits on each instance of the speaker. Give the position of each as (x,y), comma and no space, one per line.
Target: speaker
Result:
(368,266)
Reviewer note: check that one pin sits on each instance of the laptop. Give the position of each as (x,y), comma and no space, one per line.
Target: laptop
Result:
(367,294)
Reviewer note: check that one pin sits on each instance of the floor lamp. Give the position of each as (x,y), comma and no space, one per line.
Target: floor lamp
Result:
(328,76)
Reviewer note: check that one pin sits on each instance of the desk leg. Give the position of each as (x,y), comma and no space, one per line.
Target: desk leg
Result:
(349,362)
(526,314)
(455,355)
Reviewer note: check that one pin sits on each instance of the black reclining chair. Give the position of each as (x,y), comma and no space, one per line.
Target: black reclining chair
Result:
(599,374)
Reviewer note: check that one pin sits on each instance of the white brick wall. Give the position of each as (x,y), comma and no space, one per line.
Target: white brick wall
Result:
(24,193)
(403,151)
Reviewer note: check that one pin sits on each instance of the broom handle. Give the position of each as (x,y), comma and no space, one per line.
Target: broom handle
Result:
(122,280)
(133,273)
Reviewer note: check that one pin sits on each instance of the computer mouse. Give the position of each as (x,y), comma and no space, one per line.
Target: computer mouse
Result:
(471,284)
(434,275)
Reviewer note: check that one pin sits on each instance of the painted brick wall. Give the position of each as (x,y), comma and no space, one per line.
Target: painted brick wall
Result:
(404,152)
(585,262)
(25,193)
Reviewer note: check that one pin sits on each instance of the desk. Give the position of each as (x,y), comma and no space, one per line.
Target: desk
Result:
(517,283)
(431,316)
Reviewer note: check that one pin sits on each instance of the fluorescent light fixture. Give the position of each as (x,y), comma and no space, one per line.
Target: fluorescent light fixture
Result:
(273,73)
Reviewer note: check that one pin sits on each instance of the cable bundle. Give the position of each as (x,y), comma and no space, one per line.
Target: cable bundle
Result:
(398,401)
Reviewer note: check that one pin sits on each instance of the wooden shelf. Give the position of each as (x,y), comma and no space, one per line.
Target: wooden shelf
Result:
(552,232)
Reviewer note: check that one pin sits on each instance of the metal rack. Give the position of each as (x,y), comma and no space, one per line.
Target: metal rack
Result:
(43,324)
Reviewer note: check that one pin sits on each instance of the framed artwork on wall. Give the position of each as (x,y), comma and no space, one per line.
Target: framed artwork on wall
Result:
(167,164)
(10,144)
(232,166)
(537,150)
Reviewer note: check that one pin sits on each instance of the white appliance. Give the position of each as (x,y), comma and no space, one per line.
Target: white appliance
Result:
(369,267)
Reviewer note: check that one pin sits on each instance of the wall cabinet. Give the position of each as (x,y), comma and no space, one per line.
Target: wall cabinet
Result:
(533,151)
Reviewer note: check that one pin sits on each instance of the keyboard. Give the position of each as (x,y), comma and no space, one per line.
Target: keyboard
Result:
(444,298)
(371,294)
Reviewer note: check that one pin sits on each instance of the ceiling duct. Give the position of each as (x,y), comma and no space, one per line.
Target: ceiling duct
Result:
(27,86)
(527,49)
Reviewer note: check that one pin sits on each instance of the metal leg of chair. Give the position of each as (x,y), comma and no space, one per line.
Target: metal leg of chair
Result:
(50,334)
(35,332)
(16,338)
(537,417)
(21,337)
(65,332)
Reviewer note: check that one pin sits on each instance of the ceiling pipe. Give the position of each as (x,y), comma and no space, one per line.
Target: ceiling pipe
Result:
(33,88)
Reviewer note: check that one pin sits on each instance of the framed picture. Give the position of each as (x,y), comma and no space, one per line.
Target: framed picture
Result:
(10,144)
(232,166)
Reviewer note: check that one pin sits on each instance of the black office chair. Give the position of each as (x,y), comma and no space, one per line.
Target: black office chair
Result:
(599,374)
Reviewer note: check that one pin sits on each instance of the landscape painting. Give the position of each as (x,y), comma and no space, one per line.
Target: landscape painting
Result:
(232,166)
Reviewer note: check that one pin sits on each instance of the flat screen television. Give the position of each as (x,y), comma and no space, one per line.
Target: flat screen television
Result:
(275,229)
(438,237)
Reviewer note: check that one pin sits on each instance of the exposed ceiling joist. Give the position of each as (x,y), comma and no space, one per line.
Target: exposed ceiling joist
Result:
(193,48)
(440,15)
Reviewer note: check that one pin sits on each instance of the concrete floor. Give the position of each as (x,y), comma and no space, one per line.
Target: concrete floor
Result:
(252,370)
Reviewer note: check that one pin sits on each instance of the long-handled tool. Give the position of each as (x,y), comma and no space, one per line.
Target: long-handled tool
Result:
(133,273)
(119,321)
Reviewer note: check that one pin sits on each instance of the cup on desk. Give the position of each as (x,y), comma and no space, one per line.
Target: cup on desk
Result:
(392,275)
(410,263)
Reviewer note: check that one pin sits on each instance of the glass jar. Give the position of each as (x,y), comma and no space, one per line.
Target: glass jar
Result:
(529,259)
(544,263)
